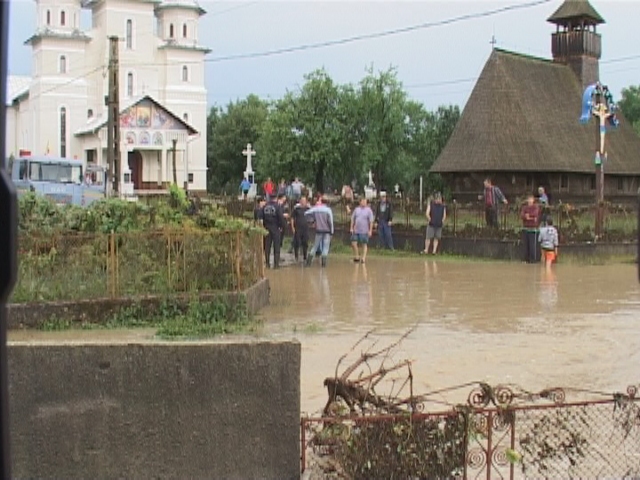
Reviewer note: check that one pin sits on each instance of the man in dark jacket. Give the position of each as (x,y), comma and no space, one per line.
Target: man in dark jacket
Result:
(273,220)
(384,218)
(300,225)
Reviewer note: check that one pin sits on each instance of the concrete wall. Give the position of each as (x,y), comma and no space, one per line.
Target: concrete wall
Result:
(157,410)
(33,315)
(413,241)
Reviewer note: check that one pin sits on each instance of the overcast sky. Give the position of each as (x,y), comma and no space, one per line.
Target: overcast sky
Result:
(437,65)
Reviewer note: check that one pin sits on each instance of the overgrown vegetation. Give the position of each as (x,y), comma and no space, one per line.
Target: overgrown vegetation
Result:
(40,217)
(115,248)
(199,319)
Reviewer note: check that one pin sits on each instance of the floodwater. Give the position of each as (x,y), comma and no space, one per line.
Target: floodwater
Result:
(501,323)
(474,321)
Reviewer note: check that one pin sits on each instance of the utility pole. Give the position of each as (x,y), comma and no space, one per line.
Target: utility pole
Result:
(175,170)
(113,115)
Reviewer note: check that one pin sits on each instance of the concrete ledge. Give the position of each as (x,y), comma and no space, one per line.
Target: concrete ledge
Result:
(172,410)
(413,241)
(32,315)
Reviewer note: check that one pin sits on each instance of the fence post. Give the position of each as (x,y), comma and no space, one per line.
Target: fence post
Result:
(184,261)
(303,446)
(455,218)
(169,260)
(489,442)
(513,443)
(238,261)
(261,260)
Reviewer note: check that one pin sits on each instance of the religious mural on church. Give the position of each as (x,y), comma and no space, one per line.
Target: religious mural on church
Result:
(148,115)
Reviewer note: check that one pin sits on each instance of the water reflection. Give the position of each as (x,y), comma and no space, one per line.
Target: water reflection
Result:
(496,322)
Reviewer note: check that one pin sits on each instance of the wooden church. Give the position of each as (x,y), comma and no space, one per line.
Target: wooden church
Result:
(521,123)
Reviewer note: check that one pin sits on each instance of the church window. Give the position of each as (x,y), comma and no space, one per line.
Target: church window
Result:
(184,30)
(90,113)
(63,64)
(129,84)
(129,35)
(185,117)
(48,17)
(185,74)
(62,18)
(171,30)
(63,132)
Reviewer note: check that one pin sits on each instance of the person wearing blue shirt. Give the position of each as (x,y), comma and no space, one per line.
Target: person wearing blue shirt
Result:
(245,186)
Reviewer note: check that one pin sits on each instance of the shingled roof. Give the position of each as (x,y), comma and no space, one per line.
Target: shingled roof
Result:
(523,115)
(575,9)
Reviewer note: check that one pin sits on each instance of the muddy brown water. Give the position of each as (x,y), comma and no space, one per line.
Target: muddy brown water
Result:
(474,321)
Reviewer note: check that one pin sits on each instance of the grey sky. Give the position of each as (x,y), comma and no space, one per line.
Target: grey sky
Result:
(448,56)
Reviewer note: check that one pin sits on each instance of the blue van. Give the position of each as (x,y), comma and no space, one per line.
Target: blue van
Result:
(64,181)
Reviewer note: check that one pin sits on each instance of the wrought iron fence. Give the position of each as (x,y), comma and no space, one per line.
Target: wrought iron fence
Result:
(499,433)
(66,267)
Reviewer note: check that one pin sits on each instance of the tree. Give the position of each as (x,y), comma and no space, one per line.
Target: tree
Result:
(303,136)
(630,106)
(382,114)
(229,131)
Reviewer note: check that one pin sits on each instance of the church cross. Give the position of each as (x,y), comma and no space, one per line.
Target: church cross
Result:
(249,152)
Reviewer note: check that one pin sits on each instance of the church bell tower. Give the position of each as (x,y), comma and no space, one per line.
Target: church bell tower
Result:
(576,42)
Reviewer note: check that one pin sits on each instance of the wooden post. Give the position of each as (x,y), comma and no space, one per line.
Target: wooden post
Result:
(238,261)
(169,259)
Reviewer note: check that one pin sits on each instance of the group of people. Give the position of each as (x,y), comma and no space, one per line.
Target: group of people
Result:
(537,225)
(273,213)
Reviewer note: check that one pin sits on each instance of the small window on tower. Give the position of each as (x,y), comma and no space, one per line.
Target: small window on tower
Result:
(185,117)
(89,113)
(62,18)
(184,30)
(129,35)
(185,74)
(63,64)
(171,30)
(48,17)
(129,84)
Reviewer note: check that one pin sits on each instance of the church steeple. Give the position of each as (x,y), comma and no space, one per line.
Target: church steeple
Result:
(576,42)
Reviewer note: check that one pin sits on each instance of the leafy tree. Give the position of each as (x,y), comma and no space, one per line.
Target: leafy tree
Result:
(228,132)
(303,136)
(630,105)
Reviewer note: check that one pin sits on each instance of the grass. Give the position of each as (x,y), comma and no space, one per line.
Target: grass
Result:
(199,320)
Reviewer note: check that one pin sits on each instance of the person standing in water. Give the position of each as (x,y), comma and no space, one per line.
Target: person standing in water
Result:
(300,226)
(436,215)
(273,220)
(548,239)
(361,230)
(323,219)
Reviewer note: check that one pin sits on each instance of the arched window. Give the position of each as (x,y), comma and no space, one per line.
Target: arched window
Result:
(185,74)
(90,113)
(185,117)
(184,30)
(129,84)
(48,17)
(171,30)
(129,35)
(63,132)
(62,18)
(63,64)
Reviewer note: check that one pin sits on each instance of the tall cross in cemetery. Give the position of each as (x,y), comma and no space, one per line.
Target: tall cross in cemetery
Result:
(248,152)
(597,102)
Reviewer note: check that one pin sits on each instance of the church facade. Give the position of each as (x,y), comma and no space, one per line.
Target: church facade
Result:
(61,109)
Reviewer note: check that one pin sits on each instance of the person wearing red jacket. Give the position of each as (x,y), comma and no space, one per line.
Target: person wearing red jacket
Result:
(530,215)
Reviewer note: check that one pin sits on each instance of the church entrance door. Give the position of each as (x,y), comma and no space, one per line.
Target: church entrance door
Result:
(135,165)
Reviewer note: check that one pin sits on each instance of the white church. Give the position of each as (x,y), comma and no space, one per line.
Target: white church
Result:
(61,110)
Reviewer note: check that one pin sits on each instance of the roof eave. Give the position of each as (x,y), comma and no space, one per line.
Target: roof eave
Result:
(178,46)
(167,6)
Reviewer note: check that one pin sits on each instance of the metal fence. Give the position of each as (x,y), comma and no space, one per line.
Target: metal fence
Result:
(67,267)
(497,434)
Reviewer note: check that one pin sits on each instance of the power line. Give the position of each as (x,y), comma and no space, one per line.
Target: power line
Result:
(385,33)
